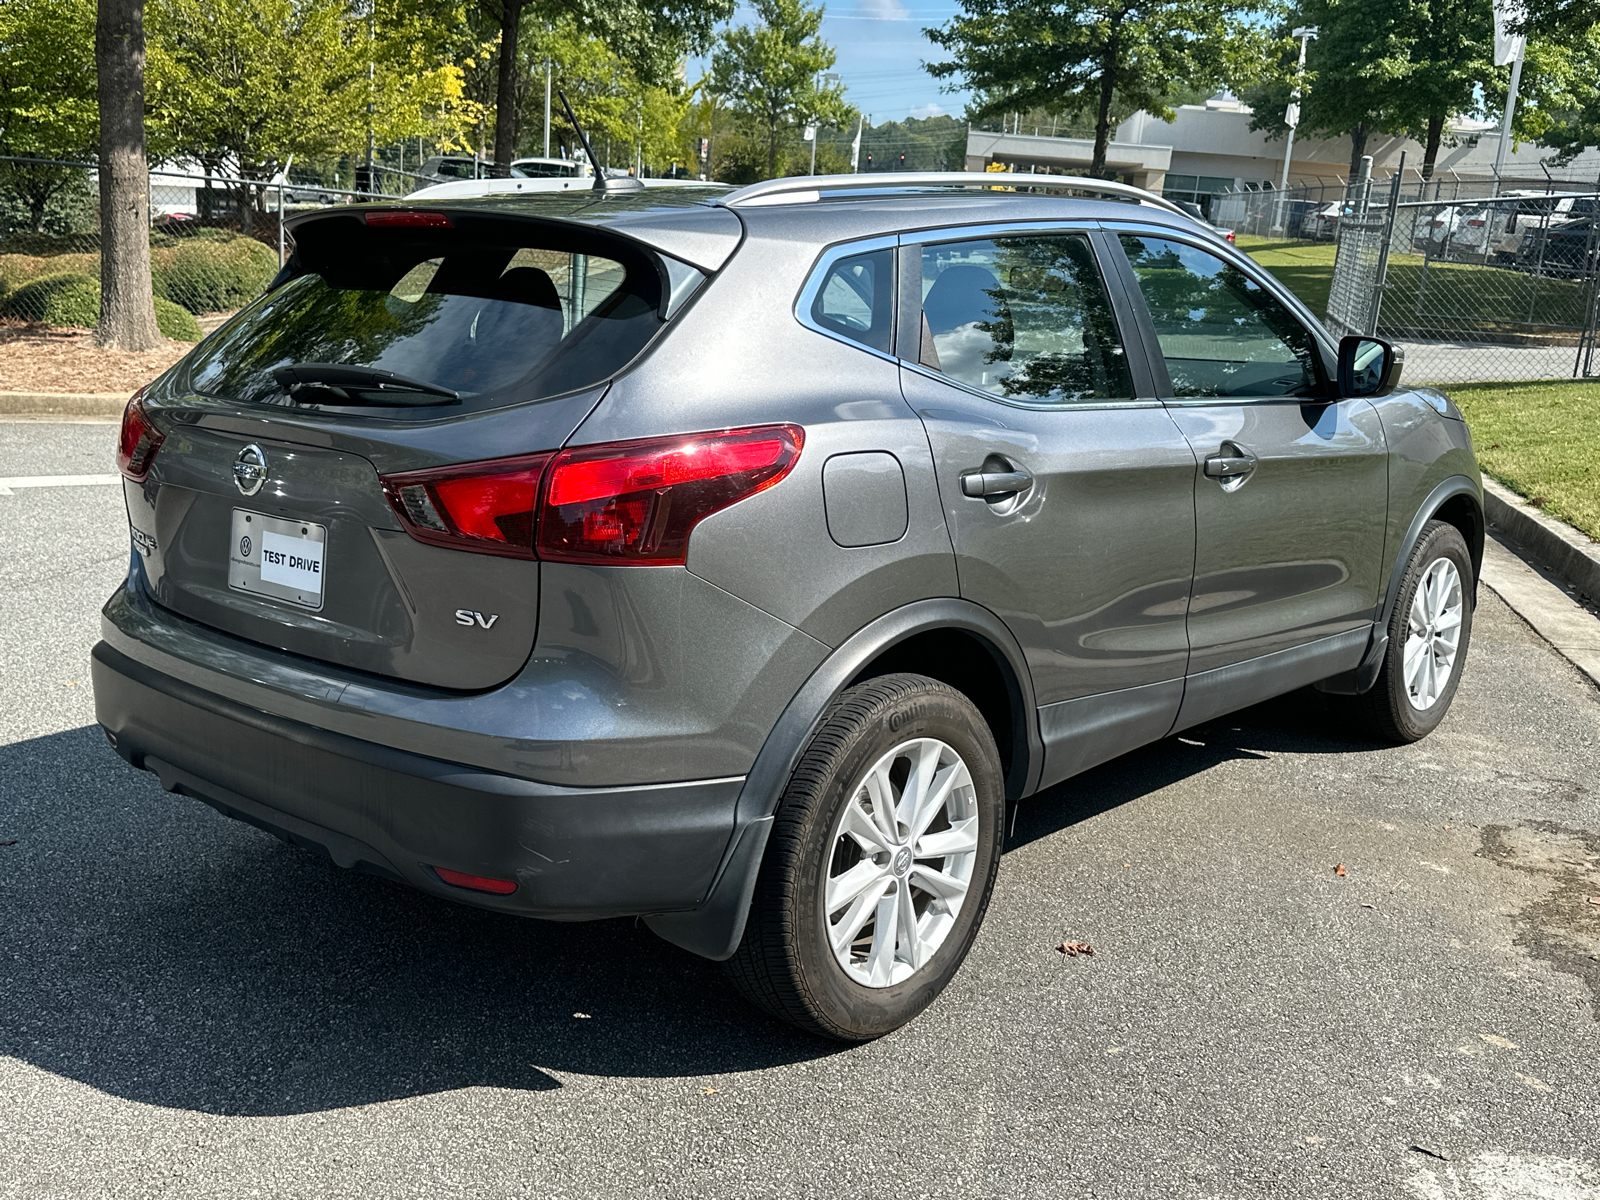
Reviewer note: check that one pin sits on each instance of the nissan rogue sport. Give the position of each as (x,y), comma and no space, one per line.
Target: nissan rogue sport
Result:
(732,558)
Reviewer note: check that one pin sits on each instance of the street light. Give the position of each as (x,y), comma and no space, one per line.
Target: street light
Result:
(1291,117)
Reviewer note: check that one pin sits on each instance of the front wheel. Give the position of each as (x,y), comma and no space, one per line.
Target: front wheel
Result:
(1428,636)
(880,863)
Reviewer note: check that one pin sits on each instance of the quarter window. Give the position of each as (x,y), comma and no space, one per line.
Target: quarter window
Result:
(1221,333)
(1025,318)
(856,299)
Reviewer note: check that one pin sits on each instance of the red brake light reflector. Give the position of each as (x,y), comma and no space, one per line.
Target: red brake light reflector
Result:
(425,220)
(137,440)
(476,883)
(637,502)
(488,506)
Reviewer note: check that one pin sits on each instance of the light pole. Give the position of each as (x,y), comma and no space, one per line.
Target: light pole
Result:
(1509,47)
(547,108)
(1291,116)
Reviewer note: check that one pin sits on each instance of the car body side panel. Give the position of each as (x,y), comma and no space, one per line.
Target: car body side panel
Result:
(1425,449)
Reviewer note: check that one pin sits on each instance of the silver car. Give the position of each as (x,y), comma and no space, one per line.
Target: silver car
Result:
(733,558)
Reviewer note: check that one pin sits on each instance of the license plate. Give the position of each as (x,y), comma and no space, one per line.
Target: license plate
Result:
(285,560)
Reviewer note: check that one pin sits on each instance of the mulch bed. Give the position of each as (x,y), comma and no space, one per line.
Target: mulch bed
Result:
(50,358)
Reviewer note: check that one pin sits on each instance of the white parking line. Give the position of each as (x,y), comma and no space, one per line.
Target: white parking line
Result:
(8,486)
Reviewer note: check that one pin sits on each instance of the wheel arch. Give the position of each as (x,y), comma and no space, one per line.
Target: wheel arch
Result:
(947,639)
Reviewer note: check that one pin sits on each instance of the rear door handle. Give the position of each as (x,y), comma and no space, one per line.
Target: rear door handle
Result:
(995,483)
(1229,466)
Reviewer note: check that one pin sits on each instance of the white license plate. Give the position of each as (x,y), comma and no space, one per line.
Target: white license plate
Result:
(285,560)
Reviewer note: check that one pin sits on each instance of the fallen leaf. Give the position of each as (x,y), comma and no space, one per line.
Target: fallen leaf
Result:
(708,1091)
(12,842)
(1073,949)
(1364,904)
(1592,899)
(1439,1154)
(1339,870)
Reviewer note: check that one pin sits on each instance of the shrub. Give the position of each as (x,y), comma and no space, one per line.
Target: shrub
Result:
(211,274)
(74,299)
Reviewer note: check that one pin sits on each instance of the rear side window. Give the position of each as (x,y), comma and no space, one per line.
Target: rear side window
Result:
(1025,318)
(856,299)
(493,321)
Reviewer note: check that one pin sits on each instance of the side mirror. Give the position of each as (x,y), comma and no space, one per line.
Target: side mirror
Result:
(1368,366)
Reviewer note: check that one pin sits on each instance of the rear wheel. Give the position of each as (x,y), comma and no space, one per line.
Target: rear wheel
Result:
(1428,636)
(880,863)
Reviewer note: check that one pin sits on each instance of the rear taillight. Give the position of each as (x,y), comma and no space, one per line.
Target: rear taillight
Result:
(476,883)
(486,506)
(138,440)
(389,219)
(1476,224)
(626,503)
(637,502)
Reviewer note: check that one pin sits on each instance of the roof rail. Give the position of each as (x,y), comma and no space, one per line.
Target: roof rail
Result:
(808,189)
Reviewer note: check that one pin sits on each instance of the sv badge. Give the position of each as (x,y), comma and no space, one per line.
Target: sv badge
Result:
(469,619)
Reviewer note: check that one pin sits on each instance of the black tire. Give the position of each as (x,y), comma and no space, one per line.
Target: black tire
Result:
(785,963)
(1387,711)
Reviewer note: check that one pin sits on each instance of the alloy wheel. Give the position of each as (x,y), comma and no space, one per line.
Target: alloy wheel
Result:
(1433,634)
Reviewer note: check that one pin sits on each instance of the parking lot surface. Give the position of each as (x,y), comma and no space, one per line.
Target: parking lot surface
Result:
(189,1007)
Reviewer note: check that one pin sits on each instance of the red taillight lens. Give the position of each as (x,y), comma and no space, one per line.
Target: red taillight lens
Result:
(476,883)
(1230,236)
(621,502)
(638,502)
(424,220)
(138,440)
(487,506)
(1476,224)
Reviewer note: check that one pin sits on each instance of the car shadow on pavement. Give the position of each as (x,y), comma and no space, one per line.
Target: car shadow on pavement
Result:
(165,954)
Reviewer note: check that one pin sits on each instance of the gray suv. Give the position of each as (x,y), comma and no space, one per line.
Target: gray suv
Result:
(731,559)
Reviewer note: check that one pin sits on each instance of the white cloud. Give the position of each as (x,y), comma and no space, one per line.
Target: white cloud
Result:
(923,111)
(883,10)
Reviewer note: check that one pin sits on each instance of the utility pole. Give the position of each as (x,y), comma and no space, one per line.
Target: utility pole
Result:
(1292,117)
(547,108)
(1508,48)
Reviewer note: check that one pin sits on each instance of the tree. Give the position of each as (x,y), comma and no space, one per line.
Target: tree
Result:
(1449,54)
(1062,55)
(127,311)
(768,74)
(47,99)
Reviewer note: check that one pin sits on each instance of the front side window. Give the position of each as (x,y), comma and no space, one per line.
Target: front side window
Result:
(1221,333)
(856,299)
(1024,318)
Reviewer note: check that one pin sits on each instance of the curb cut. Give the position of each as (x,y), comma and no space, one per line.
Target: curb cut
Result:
(1568,553)
(69,404)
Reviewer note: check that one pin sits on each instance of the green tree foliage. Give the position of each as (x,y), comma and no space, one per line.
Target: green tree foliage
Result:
(47,102)
(1558,104)
(768,74)
(1062,55)
(248,83)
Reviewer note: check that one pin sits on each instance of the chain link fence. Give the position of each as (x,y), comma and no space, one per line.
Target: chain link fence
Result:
(1478,281)
(216,241)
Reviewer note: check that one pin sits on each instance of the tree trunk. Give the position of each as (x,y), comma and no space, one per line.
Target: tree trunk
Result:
(772,150)
(1358,148)
(505,101)
(127,312)
(1102,121)
(1430,153)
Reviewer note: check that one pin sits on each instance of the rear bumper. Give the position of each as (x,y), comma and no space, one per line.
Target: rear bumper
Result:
(575,853)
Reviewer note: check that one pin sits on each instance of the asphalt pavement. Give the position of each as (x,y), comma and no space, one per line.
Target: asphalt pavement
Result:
(191,1008)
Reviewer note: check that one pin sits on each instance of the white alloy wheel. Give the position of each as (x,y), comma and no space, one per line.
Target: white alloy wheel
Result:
(903,853)
(1433,634)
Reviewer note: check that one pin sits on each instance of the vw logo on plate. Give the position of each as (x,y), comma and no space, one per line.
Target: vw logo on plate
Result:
(250,470)
(244,547)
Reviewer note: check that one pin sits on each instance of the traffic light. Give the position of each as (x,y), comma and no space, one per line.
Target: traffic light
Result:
(902,162)
(869,162)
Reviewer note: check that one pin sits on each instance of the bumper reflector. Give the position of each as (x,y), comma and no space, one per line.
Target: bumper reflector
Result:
(476,883)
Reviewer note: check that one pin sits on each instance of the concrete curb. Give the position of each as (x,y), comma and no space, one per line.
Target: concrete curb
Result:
(67,404)
(1568,554)
(1539,598)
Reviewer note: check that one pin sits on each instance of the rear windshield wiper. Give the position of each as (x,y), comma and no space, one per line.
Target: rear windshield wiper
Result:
(339,383)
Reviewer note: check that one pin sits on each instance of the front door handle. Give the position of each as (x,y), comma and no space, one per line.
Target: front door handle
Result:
(1229,466)
(995,483)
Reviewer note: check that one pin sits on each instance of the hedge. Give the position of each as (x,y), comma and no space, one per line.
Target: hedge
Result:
(74,299)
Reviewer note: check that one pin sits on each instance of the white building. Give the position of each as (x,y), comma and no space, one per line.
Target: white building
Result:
(1211,148)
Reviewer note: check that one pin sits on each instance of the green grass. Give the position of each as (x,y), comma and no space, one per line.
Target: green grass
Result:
(1305,268)
(1542,440)
(1439,299)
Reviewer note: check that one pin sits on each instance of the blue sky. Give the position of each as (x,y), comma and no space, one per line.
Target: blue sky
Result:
(881,51)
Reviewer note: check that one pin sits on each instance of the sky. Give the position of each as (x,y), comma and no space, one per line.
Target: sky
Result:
(881,51)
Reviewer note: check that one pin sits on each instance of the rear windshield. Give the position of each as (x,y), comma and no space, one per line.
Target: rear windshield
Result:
(497,320)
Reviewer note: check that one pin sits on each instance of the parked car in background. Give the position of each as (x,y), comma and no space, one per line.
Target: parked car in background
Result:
(1322,222)
(446,168)
(1193,209)
(550,168)
(733,559)
(1568,245)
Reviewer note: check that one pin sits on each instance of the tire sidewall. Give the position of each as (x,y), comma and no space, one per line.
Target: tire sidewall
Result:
(1440,541)
(936,712)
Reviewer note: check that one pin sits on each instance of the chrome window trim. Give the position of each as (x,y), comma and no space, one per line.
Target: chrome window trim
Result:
(989,229)
(813,285)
